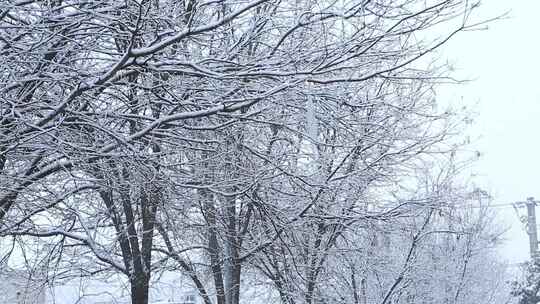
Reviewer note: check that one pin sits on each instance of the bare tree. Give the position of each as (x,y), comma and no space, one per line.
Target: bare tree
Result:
(205,136)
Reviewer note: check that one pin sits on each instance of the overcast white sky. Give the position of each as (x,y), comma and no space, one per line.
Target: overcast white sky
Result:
(504,61)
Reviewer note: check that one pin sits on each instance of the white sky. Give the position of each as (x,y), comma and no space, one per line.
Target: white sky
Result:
(504,61)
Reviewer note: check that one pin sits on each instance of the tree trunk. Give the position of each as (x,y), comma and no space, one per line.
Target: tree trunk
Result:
(233,265)
(214,249)
(139,289)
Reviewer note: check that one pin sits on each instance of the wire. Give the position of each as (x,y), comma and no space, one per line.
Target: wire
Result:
(501,205)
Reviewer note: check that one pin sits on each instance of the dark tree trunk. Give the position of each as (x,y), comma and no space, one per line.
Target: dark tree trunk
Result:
(214,248)
(139,289)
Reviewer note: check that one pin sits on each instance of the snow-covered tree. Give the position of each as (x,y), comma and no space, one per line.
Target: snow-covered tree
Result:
(237,143)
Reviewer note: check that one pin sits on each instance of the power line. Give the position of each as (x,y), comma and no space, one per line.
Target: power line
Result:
(501,205)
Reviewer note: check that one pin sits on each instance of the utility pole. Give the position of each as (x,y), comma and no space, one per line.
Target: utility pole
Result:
(531,228)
